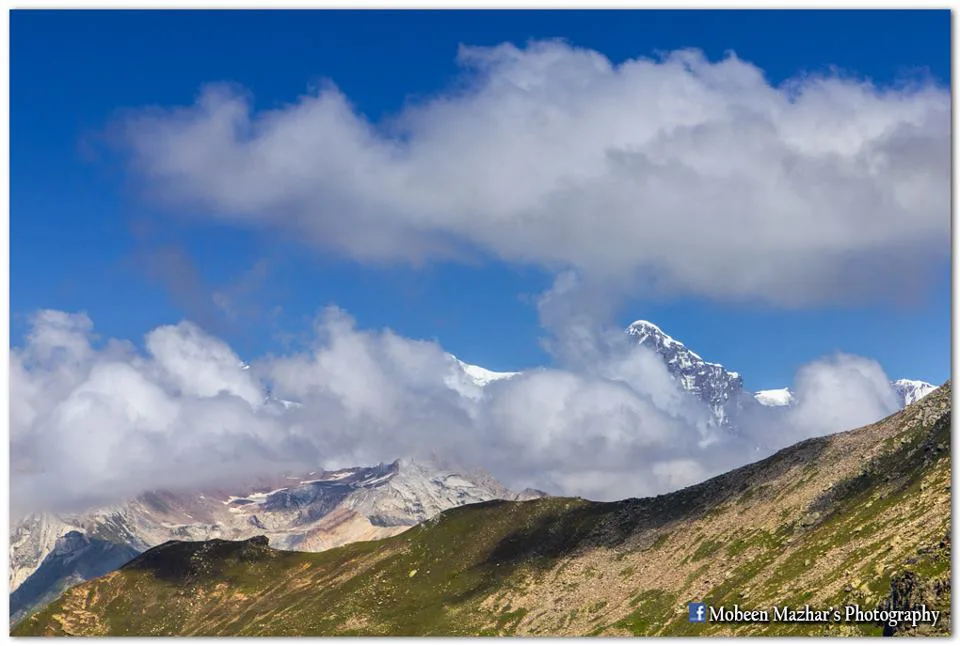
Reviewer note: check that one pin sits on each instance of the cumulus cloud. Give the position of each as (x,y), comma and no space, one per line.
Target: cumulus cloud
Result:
(843,391)
(676,174)
(94,422)
(91,424)
(831,394)
(194,364)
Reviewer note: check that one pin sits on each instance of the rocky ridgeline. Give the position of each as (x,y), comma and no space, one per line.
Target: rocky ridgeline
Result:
(719,388)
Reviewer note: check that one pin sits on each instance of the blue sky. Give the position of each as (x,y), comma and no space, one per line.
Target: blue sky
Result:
(85,237)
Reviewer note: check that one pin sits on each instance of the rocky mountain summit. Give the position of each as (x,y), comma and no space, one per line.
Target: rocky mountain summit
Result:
(307,512)
(860,517)
(719,388)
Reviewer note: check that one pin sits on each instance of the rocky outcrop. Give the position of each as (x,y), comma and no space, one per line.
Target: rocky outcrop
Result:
(924,584)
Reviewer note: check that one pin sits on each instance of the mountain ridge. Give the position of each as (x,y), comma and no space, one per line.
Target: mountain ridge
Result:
(308,512)
(861,517)
(721,389)
(302,520)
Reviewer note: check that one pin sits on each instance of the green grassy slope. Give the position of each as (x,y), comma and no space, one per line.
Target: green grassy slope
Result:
(859,517)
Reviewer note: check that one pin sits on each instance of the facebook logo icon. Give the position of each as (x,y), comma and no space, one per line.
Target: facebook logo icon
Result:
(698,612)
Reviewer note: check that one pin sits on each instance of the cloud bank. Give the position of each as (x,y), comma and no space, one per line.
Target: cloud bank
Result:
(94,422)
(676,174)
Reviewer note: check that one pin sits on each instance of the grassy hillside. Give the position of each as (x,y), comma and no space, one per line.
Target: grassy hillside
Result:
(859,517)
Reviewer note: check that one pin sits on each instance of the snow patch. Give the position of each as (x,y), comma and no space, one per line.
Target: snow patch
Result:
(255,497)
(774,397)
(912,390)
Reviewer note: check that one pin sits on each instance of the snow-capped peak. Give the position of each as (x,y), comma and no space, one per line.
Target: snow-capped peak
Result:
(908,390)
(774,397)
(469,380)
(482,376)
(912,390)
(710,382)
(645,329)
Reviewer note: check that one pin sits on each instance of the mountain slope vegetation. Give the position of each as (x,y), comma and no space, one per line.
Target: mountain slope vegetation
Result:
(310,512)
(857,517)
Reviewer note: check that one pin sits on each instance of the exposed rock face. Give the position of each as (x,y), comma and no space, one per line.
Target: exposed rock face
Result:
(713,384)
(721,389)
(911,590)
(31,539)
(75,557)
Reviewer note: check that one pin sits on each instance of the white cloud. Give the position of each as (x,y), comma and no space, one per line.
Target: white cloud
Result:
(831,394)
(56,333)
(678,174)
(91,424)
(99,423)
(840,392)
(200,366)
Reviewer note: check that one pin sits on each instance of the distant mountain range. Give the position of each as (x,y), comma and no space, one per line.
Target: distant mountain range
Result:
(908,391)
(854,520)
(320,510)
(310,512)
(307,512)
(722,389)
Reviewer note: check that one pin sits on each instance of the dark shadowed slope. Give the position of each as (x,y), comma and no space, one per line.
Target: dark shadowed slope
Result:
(75,558)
